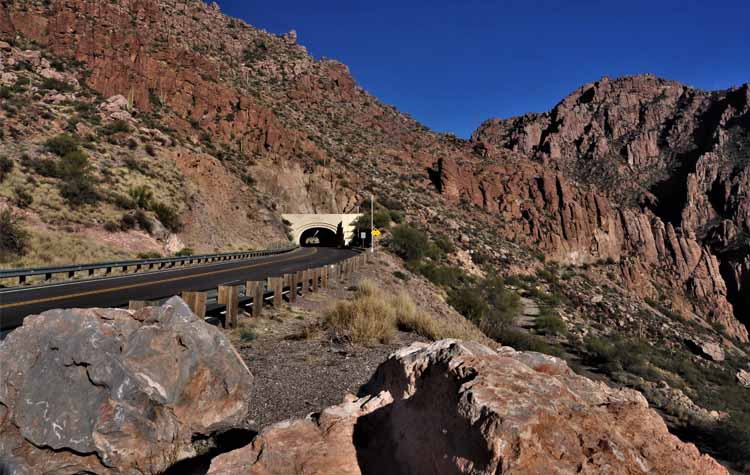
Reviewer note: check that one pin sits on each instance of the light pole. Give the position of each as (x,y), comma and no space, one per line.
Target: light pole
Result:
(372,224)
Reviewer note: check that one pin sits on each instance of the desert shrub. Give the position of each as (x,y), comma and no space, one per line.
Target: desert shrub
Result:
(365,288)
(410,319)
(442,275)
(444,244)
(400,275)
(150,150)
(62,144)
(470,303)
(248,334)
(505,304)
(522,341)
(128,222)
(6,166)
(77,185)
(115,127)
(367,320)
(408,242)
(143,222)
(141,196)
(112,226)
(396,216)
(122,201)
(13,237)
(167,215)
(52,84)
(185,251)
(22,198)
(548,323)
(41,166)
(149,255)
(132,163)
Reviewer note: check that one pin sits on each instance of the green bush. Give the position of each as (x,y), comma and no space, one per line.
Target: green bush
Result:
(141,196)
(143,222)
(168,216)
(505,304)
(149,255)
(445,244)
(248,334)
(115,127)
(547,323)
(22,199)
(6,166)
(470,303)
(408,242)
(52,84)
(186,251)
(62,144)
(77,185)
(444,276)
(13,237)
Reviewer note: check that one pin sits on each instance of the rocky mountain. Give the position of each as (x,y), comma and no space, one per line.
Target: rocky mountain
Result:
(677,157)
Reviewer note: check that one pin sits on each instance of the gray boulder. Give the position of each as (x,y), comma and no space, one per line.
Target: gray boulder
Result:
(108,391)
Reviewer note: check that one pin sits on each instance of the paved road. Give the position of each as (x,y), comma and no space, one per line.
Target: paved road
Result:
(116,291)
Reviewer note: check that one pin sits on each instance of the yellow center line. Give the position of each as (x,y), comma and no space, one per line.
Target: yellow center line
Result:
(146,284)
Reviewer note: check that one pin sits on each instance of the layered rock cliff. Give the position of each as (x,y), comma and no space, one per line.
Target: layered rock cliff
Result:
(675,159)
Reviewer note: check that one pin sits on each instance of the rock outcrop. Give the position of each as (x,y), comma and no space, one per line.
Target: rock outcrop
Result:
(105,391)
(674,158)
(460,407)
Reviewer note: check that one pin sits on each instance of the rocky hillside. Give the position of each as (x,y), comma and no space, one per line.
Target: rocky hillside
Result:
(677,158)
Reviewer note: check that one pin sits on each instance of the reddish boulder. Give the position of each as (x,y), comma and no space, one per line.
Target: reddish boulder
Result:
(460,407)
(106,391)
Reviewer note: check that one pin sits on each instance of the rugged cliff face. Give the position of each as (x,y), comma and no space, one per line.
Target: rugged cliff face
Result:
(675,157)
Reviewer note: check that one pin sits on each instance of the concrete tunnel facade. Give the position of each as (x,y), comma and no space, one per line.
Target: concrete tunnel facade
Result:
(321,227)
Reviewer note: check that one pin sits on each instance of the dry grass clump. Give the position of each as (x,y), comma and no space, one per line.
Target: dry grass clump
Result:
(373,317)
(368,319)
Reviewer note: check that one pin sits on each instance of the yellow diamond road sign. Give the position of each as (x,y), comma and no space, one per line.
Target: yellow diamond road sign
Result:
(376,232)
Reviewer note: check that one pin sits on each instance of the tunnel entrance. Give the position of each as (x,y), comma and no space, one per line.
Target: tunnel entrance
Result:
(321,237)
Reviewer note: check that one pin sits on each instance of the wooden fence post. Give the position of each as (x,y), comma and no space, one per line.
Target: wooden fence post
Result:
(255,289)
(229,296)
(196,301)
(292,280)
(324,277)
(276,285)
(306,276)
(315,276)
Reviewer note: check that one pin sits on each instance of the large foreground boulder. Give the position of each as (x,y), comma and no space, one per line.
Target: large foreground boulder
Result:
(453,407)
(106,391)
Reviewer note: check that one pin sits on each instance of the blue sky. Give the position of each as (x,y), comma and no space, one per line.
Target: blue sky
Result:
(453,64)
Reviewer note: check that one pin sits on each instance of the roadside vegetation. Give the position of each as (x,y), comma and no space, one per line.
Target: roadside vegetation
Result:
(373,317)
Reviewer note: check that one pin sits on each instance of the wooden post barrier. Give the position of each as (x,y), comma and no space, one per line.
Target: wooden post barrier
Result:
(292,279)
(255,289)
(305,281)
(316,279)
(196,301)
(301,281)
(276,285)
(229,296)
(324,277)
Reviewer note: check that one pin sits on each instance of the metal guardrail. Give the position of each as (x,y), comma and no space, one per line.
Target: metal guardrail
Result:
(138,264)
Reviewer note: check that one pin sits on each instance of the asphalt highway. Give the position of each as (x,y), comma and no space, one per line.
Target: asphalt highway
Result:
(116,291)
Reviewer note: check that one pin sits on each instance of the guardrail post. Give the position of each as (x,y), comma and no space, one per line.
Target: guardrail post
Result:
(197,302)
(276,284)
(305,281)
(324,277)
(229,296)
(316,279)
(255,289)
(292,282)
